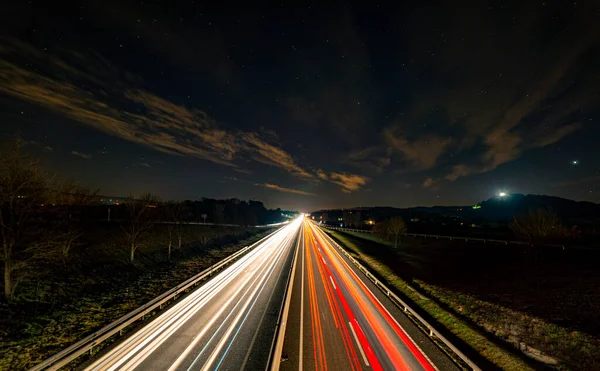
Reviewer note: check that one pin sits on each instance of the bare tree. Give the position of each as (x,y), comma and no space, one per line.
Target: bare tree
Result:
(24,188)
(537,225)
(380,229)
(219,213)
(170,228)
(179,212)
(69,198)
(141,212)
(395,228)
(176,213)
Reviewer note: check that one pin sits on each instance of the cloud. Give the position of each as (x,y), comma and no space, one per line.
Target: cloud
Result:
(282,189)
(322,175)
(516,91)
(459,171)
(272,155)
(87,156)
(552,136)
(348,182)
(429,182)
(375,159)
(421,154)
(242,170)
(97,95)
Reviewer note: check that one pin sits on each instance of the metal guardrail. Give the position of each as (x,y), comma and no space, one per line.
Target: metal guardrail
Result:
(87,344)
(277,344)
(402,305)
(484,240)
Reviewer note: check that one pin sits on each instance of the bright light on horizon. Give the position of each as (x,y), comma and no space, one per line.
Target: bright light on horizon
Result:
(502,194)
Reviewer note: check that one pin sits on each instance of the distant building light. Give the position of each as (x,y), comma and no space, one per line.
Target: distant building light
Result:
(476,207)
(502,194)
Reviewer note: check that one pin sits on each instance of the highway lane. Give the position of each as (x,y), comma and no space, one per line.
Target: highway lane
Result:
(228,323)
(339,320)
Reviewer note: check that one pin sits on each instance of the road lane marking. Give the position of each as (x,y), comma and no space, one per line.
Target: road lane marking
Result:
(238,321)
(417,352)
(335,288)
(302,302)
(174,317)
(362,352)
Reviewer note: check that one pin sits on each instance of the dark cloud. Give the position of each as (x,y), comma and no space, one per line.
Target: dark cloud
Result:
(418,154)
(348,182)
(154,122)
(337,96)
(272,155)
(283,189)
(86,156)
(373,159)
(508,81)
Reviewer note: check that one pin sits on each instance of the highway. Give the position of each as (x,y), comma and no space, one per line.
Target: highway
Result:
(339,320)
(227,323)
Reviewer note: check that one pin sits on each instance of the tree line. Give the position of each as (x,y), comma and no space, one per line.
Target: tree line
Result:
(42,216)
(537,227)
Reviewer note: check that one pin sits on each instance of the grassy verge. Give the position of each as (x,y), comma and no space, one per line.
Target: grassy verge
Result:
(28,336)
(483,324)
(478,341)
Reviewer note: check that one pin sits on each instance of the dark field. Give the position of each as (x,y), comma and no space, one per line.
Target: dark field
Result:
(546,306)
(64,301)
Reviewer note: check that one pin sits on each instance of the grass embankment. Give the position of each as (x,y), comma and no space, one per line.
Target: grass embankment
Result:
(100,285)
(484,325)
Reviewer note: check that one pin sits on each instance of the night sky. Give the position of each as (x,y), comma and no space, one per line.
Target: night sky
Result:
(309,106)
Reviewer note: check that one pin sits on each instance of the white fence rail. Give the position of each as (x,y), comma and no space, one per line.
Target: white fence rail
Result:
(460,238)
(402,305)
(67,355)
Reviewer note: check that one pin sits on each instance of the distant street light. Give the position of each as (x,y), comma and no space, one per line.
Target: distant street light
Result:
(502,194)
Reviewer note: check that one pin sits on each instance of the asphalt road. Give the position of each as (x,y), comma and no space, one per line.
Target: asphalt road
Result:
(339,320)
(228,323)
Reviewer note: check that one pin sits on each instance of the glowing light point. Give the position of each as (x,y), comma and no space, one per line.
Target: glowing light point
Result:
(575,162)
(502,194)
